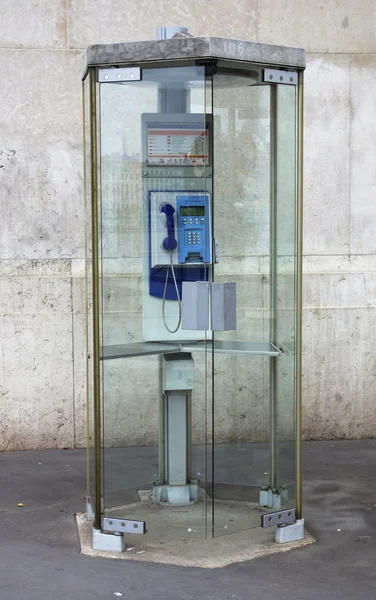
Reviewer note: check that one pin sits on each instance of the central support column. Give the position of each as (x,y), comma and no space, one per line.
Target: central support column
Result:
(176,488)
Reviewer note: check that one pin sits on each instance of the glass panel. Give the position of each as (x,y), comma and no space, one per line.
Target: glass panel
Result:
(242,230)
(285,290)
(254,228)
(155,220)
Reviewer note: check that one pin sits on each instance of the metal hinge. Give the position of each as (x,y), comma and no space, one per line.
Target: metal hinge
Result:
(210,65)
(282,517)
(115,75)
(123,526)
(279,76)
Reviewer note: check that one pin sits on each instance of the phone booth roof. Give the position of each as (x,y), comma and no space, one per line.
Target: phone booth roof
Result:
(180,49)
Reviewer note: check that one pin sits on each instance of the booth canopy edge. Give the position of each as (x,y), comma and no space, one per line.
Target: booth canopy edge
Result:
(193,48)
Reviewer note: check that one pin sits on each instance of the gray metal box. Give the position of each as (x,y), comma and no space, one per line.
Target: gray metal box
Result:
(195,305)
(223,306)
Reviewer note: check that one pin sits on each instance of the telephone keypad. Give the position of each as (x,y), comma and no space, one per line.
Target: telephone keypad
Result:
(193,236)
(193,229)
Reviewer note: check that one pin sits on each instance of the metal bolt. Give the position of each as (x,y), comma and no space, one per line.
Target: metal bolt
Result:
(119,76)
(122,524)
(291,79)
(110,522)
(270,76)
(281,78)
(106,76)
(135,525)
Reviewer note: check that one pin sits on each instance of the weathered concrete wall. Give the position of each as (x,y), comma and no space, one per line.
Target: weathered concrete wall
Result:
(41,252)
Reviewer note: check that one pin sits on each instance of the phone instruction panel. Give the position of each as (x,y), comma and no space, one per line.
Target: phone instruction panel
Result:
(177,146)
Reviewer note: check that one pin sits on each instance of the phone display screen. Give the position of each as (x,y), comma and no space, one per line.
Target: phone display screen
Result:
(192,211)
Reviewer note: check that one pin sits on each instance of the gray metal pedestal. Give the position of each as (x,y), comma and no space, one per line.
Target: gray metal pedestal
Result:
(175,487)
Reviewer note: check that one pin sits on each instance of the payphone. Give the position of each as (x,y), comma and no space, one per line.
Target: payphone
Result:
(177,239)
(180,244)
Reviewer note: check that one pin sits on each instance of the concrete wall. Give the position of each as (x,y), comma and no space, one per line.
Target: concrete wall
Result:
(41,252)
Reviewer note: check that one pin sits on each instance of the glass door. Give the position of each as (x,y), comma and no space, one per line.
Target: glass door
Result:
(155,214)
(252,370)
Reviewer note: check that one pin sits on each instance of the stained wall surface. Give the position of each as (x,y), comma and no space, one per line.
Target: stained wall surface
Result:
(42,383)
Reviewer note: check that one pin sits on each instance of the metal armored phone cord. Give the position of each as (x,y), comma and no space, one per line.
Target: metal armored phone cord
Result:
(171,266)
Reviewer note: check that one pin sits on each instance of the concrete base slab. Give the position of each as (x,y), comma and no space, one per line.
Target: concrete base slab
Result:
(189,552)
(164,522)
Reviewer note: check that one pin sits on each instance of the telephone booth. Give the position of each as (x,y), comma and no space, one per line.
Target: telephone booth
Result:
(193,195)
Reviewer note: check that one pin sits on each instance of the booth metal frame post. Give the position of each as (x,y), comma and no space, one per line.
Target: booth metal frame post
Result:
(95,300)
(299,296)
(273,492)
(89,508)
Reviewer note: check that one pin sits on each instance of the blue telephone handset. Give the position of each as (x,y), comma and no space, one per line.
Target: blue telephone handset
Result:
(169,243)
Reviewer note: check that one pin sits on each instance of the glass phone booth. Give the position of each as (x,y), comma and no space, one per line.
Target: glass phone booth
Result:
(193,187)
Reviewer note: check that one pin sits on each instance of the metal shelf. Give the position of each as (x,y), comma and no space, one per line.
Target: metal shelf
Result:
(138,349)
(252,348)
(153,348)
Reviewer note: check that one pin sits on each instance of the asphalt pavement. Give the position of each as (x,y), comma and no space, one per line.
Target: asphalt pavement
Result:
(40,557)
